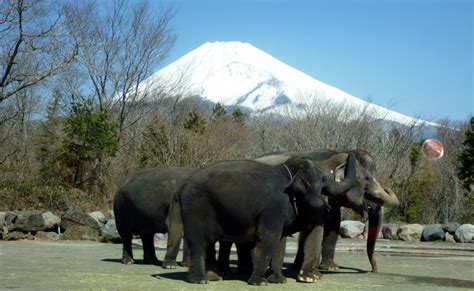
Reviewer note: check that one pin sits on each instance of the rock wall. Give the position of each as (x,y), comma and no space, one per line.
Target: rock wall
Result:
(71,225)
(77,225)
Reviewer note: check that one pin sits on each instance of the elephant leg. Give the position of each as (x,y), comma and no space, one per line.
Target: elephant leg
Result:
(268,238)
(298,262)
(186,256)
(149,255)
(197,268)
(175,233)
(276,264)
(244,254)
(127,255)
(211,263)
(309,272)
(224,254)
(331,234)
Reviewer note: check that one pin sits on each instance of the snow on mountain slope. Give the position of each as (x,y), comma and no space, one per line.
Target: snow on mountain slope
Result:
(235,73)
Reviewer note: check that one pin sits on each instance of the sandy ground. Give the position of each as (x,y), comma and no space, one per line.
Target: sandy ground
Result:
(66,265)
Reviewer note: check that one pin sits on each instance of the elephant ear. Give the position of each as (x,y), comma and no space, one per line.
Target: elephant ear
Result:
(298,184)
(339,172)
(273,160)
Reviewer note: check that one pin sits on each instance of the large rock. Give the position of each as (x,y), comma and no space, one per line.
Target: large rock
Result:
(17,235)
(109,232)
(432,232)
(99,217)
(389,230)
(2,221)
(410,232)
(79,225)
(351,228)
(2,218)
(109,214)
(51,221)
(450,227)
(25,221)
(464,233)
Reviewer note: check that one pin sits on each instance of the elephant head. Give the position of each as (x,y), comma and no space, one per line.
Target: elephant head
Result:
(311,178)
(366,188)
(367,195)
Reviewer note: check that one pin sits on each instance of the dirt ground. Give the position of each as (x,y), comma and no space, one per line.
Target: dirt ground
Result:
(66,265)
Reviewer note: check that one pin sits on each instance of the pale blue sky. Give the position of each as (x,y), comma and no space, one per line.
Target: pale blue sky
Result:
(416,56)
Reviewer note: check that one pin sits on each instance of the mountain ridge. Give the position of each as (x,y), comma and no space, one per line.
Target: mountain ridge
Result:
(239,74)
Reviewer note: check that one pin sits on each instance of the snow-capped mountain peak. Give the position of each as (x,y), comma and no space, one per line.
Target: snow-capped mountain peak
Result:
(239,74)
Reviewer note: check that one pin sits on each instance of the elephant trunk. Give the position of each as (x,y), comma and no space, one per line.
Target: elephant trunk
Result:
(375,221)
(348,182)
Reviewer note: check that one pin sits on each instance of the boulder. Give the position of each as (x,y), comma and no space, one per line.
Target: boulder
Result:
(109,214)
(390,229)
(410,232)
(99,217)
(2,218)
(47,235)
(450,227)
(25,221)
(17,235)
(109,232)
(432,232)
(464,233)
(80,225)
(2,221)
(449,237)
(351,228)
(51,221)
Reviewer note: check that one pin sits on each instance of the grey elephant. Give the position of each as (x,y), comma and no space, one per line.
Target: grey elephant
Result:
(141,207)
(367,195)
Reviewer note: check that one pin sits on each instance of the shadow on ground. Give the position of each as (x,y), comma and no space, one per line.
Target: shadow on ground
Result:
(136,262)
(437,281)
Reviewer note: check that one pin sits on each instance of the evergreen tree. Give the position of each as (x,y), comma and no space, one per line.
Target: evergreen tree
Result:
(414,157)
(48,142)
(218,113)
(195,123)
(239,116)
(89,137)
(156,147)
(466,158)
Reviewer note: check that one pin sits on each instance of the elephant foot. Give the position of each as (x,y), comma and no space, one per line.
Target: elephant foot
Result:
(258,281)
(308,276)
(169,264)
(213,276)
(329,266)
(276,278)
(127,261)
(183,264)
(197,279)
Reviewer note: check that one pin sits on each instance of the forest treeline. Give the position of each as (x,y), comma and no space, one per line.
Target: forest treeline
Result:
(76,118)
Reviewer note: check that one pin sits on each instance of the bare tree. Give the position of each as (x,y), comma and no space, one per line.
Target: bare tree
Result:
(122,43)
(33,46)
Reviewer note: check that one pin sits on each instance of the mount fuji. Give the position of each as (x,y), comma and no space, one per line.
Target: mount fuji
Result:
(239,74)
